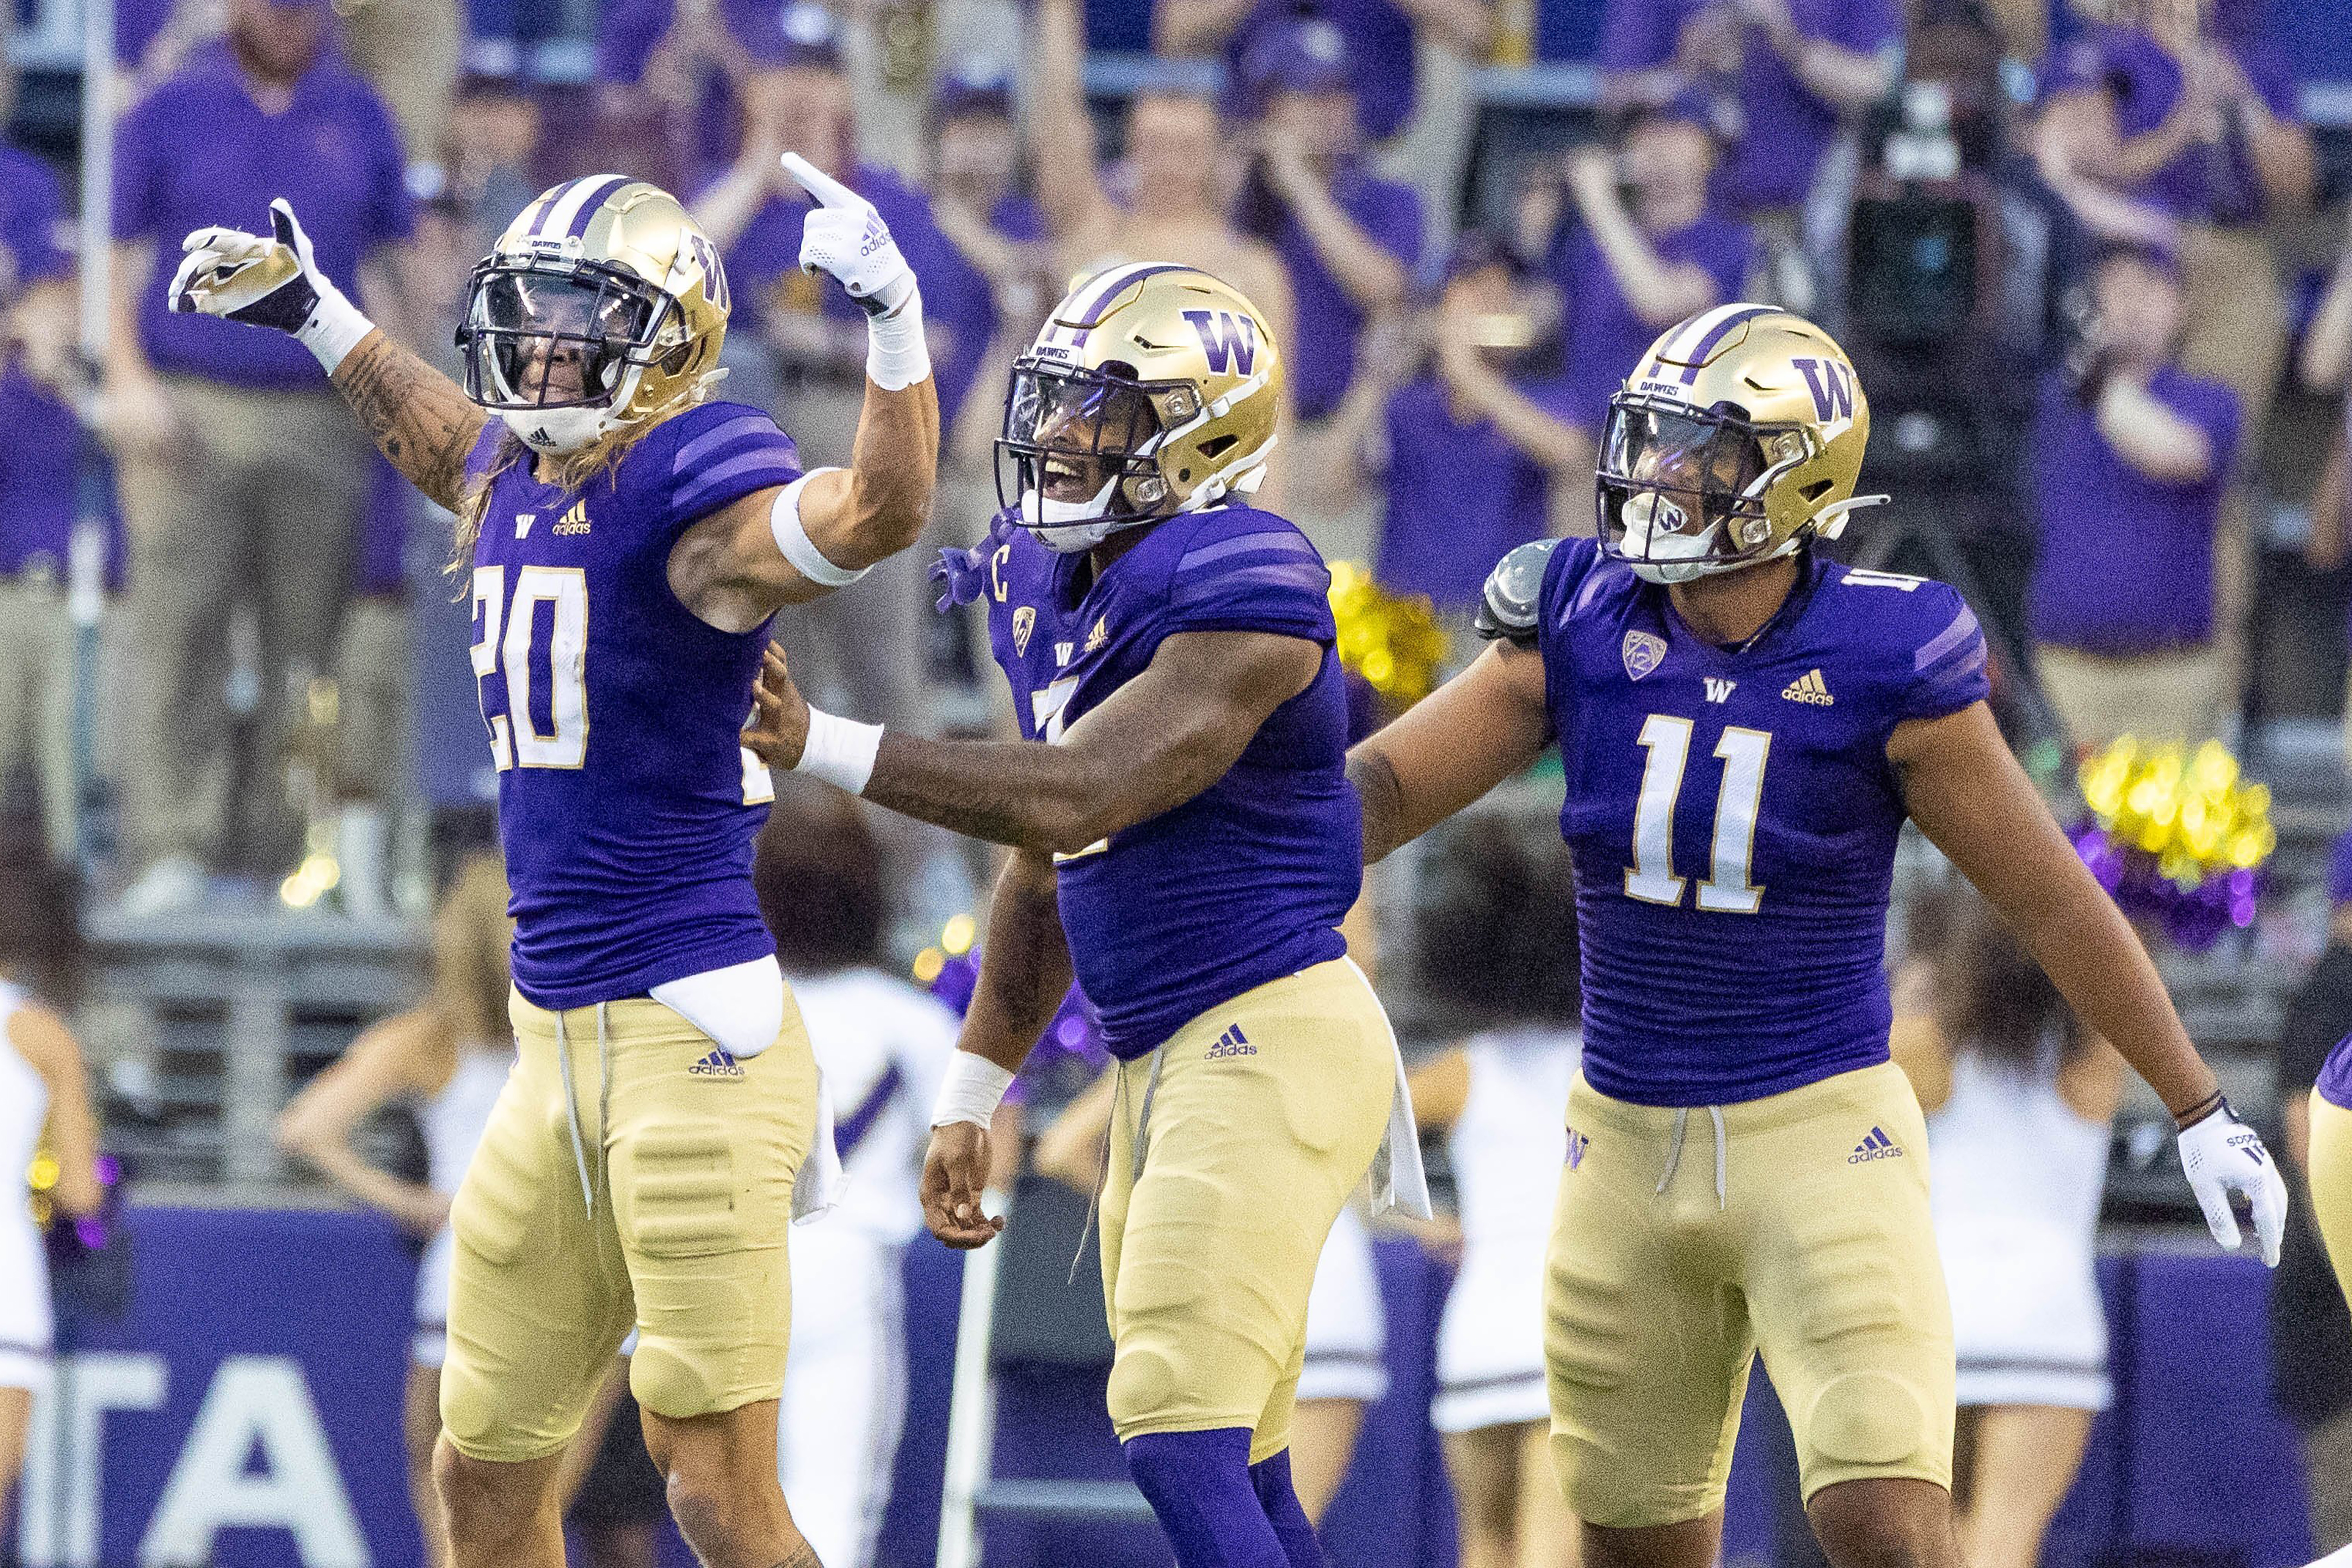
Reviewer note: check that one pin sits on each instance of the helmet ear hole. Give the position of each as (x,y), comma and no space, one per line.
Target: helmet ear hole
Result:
(1817,489)
(1217,447)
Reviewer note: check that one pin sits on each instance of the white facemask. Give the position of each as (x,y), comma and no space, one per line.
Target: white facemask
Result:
(1659,545)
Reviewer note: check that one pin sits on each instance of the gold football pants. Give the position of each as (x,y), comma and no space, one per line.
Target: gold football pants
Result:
(1686,1241)
(1258,1118)
(631,1176)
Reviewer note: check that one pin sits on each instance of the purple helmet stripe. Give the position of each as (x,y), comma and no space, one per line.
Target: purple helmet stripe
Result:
(1120,283)
(589,204)
(1697,356)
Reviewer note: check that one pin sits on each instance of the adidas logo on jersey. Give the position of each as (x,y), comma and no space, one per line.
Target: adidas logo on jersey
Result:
(575,521)
(1808,688)
(1232,1043)
(1877,1146)
(718,1064)
(1100,634)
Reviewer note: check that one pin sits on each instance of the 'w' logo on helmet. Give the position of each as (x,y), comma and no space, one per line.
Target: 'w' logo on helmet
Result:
(1225,338)
(1831,385)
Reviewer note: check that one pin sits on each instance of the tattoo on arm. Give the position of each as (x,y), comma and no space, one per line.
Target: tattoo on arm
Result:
(422,421)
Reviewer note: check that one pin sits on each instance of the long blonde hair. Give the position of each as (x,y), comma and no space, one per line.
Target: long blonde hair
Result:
(471,936)
(572,472)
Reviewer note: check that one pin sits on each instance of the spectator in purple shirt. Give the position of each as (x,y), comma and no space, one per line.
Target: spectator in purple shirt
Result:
(1472,452)
(864,643)
(1349,240)
(39,474)
(1783,77)
(2131,455)
(1650,249)
(2203,127)
(1786,74)
(243,479)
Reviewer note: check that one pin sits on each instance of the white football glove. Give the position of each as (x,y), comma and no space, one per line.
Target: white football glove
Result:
(2222,1155)
(273,282)
(844,238)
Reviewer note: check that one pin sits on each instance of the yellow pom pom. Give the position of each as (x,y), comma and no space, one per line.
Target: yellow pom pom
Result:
(1392,640)
(2196,814)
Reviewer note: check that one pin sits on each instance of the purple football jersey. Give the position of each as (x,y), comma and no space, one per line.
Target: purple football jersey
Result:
(1732,817)
(1246,881)
(2336,1078)
(626,802)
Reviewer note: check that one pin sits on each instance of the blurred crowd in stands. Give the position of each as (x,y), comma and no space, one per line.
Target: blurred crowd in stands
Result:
(2072,249)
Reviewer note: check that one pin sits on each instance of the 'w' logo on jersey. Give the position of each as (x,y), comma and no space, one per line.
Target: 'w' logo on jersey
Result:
(1226,338)
(1808,688)
(575,521)
(1831,385)
(1720,690)
(1877,1146)
(1577,1144)
(522,524)
(1232,1043)
(718,1064)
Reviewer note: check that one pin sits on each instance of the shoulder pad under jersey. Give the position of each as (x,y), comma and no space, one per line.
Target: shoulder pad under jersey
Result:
(1509,608)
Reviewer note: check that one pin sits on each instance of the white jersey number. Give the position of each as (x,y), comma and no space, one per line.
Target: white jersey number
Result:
(1046,713)
(1650,878)
(515,738)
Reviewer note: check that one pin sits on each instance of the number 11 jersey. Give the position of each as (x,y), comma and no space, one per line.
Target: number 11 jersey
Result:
(627,803)
(1732,817)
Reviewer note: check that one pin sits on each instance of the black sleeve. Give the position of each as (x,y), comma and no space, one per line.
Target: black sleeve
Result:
(2318,1016)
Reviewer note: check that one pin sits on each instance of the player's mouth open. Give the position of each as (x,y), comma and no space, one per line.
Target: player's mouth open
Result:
(1067,479)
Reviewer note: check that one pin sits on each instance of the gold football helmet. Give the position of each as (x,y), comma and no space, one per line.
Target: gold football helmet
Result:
(602,306)
(1737,438)
(1150,390)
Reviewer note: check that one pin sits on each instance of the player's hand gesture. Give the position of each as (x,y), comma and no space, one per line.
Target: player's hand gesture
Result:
(955,1174)
(778,733)
(2222,1156)
(270,281)
(847,239)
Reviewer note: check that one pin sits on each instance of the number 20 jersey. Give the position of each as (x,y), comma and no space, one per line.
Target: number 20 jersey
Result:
(1732,817)
(627,806)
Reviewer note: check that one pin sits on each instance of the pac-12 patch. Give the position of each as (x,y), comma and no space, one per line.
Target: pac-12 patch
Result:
(1644,652)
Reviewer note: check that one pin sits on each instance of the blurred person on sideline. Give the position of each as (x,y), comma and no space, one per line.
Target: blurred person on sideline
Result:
(448,1056)
(884,1045)
(242,479)
(373,662)
(1411,62)
(2201,123)
(40,489)
(1350,243)
(1470,448)
(411,52)
(1782,79)
(2325,366)
(863,646)
(1651,248)
(43,1107)
(2311,1327)
(2020,1101)
(1498,941)
(2128,447)
(1168,199)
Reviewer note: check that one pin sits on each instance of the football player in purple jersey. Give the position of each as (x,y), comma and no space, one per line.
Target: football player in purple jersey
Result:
(1744,725)
(1187,845)
(626,542)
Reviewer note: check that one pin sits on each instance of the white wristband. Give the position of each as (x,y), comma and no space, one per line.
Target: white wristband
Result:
(972,1091)
(334,328)
(896,357)
(792,538)
(839,751)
